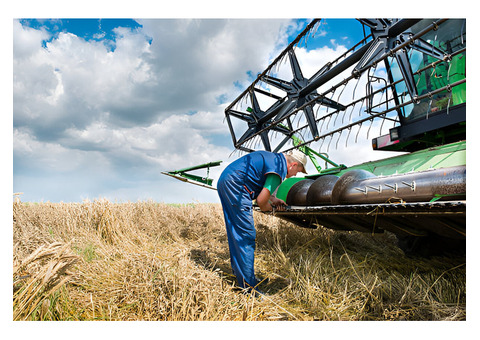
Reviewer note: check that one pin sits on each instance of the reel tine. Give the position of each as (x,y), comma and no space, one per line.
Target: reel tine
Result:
(368,132)
(329,119)
(360,109)
(358,132)
(328,147)
(338,140)
(343,117)
(429,107)
(348,136)
(321,145)
(323,122)
(335,121)
(355,88)
(341,92)
(381,125)
(351,112)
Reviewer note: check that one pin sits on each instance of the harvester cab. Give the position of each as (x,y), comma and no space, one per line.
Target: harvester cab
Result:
(430,85)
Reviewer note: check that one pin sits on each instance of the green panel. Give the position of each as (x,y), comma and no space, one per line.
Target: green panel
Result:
(284,188)
(433,158)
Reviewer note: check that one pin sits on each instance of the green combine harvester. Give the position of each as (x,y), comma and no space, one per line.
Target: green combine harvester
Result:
(407,74)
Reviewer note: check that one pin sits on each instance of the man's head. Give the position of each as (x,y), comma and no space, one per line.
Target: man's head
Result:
(296,162)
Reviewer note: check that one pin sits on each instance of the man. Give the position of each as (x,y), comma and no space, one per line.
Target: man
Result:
(253,176)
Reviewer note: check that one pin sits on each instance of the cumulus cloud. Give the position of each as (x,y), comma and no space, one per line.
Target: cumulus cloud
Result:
(168,67)
(103,118)
(153,102)
(200,59)
(83,81)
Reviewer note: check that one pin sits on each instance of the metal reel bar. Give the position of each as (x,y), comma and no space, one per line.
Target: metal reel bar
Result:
(324,95)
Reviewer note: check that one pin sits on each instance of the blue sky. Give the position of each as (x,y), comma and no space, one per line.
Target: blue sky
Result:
(87,28)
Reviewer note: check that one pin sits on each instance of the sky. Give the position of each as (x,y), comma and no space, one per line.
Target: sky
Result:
(102,106)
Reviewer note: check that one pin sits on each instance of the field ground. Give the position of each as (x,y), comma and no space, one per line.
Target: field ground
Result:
(152,261)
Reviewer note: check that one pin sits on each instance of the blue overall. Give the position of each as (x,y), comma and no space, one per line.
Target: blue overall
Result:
(239,184)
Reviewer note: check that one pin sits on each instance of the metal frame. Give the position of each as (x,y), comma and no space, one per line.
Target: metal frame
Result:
(446,218)
(184,175)
(388,39)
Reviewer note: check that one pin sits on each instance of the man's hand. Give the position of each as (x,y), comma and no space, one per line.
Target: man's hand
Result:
(277,203)
(268,203)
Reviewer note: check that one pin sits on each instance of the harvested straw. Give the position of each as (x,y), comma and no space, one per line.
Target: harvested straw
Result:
(149,261)
(38,277)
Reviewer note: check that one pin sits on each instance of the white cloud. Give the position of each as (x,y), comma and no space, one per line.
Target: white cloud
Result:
(26,40)
(72,82)
(148,105)
(109,119)
(187,65)
(38,156)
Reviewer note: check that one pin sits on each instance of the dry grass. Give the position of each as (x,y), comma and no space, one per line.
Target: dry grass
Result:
(148,261)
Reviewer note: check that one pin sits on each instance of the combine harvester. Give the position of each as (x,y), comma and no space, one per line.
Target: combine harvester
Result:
(407,77)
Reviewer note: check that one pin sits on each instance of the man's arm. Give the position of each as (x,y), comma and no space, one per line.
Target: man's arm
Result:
(263,200)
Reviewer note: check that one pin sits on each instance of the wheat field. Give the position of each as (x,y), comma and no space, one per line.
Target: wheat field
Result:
(153,261)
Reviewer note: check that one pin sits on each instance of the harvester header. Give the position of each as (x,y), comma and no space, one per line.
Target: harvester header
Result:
(405,82)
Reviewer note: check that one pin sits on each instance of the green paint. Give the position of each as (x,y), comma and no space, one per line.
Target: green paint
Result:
(183,174)
(432,158)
